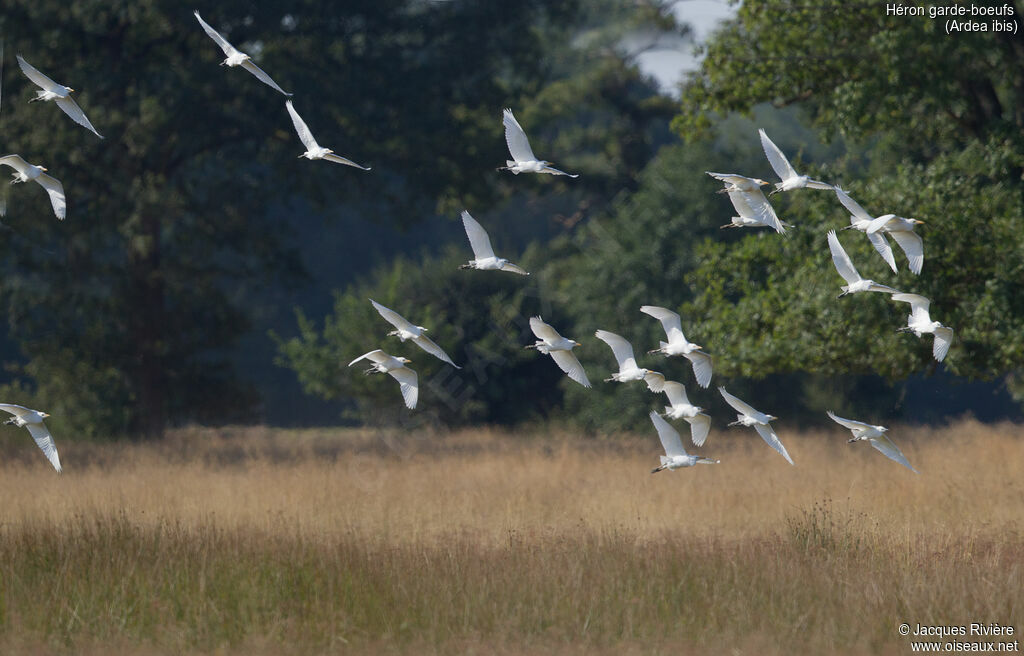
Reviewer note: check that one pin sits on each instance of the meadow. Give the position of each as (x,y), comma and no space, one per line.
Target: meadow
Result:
(258,541)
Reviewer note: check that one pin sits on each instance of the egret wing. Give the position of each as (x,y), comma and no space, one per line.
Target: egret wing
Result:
(409,384)
(669,321)
(700,427)
(478,239)
(779,163)
(675,392)
(72,109)
(918,304)
(56,191)
(515,136)
(433,349)
(742,205)
(338,159)
(395,319)
(376,355)
(18,410)
(228,49)
(818,184)
(701,363)
(655,381)
(849,423)
(891,451)
(844,265)
(514,268)
(852,205)
(621,348)
(943,340)
(742,407)
(45,441)
(553,171)
(543,331)
(305,136)
(881,245)
(570,364)
(768,435)
(669,436)
(262,76)
(913,246)
(764,212)
(15,162)
(41,80)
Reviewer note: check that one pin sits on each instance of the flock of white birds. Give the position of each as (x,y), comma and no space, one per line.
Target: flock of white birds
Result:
(751,204)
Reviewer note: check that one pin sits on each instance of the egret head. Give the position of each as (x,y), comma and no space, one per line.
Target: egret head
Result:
(44,415)
(760,182)
(917,221)
(880,429)
(421,329)
(574,342)
(42,168)
(404,360)
(771,417)
(70,90)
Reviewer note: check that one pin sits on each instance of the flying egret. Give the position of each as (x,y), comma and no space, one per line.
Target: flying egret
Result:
(33,421)
(395,366)
(550,342)
(748,416)
(902,230)
(675,455)
(523,160)
(405,330)
(52,185)
(861,220)
(678,344)
(237,58)
(854,283)
(737,182)
(920,322)
(754,211)
(628,370)
(790,178)
(681,408)
(875,435)
(50,90)
(313,149)
(483,254)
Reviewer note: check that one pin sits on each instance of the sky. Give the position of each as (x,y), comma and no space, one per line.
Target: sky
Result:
(669,60)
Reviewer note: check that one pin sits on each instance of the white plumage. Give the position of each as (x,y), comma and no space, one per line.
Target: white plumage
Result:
(234,57)
(760,421)
(483,255)
(52,185)
(875,435)
(628,369)
(844,265)
(395,367)
(523,160)
(550,342)
(678,344)
(920,323)
(405,330)
(313,149)
(675,455)
(33,421)
(790,178)
(60,94)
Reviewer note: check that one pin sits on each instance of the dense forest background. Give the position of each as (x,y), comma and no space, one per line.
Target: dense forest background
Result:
(205,274)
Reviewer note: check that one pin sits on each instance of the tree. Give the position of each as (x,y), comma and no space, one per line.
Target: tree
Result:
(125,311)
(941,121)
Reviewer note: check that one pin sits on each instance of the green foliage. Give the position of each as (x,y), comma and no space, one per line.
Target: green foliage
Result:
(124,312)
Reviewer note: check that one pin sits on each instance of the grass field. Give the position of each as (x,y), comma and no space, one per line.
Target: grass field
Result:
(251,541)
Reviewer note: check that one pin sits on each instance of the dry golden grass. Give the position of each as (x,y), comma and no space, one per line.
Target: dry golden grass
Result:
(259,541)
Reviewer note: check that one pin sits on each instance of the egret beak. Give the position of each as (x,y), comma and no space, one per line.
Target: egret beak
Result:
(917,221)
(44,415)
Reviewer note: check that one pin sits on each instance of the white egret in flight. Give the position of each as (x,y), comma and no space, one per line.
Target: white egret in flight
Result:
(761,422)
(404,330)
(628,370)
(861,220)
(50,90)
(737,182)
(383,363)
(33,421)
(675,455)
(681,408)
(523,160)
(483,254)
(678,344)
(875,435)
(236,58)
(920,322)
(52,185)
(902,230)
(790,178)
(844,265)
(754,211)
(550,342)
(313,149)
